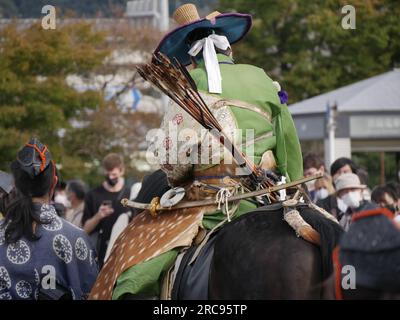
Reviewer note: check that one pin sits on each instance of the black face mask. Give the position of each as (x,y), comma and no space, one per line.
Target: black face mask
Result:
(112,182)
(392,208)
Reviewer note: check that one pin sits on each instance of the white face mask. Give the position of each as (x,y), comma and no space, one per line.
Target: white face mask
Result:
(352,199)
(321,194)
(341,205)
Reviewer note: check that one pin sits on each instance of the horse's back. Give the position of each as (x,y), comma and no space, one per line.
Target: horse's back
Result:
(259,256)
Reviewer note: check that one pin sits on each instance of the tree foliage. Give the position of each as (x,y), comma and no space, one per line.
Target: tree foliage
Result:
(35,99)
(302,43)
(80,127)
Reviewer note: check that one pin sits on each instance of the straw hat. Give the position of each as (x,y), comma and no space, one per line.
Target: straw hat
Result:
(348,181)
(232,25)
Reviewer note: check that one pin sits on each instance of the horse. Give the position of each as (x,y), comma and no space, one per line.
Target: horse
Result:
(257,255)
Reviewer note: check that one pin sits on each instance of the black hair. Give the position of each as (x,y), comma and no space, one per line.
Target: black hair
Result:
(379,192)
(198,34)
(78,187)
(61,185)
(340,163)
(201,33)
(395,187)
(21,215)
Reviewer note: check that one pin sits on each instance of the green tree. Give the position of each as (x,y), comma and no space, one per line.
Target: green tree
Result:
(108,127)
(302,43)
(35,99)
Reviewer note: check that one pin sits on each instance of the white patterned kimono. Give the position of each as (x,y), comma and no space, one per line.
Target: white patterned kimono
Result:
(62,255)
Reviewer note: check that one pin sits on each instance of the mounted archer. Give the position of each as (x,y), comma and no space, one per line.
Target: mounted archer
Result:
(222,98)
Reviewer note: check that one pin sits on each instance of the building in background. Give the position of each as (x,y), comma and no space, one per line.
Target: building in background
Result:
(155,13)
(366,120)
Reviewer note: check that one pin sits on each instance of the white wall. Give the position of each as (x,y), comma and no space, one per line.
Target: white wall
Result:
(342,149)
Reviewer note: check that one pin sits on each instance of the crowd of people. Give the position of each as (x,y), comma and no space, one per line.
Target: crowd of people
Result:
(96,218)
(343,189)
(98,211)
(81,224)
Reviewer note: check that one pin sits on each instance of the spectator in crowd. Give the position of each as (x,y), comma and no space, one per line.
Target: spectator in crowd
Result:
(35,244)
(332,204)
(385,197)
(341,166)
(76,191)
(59,200)
(363,175)
(122,221)
(312,164)
(395,187)
(60,195)
(323,187)
(103,204)
(349,190)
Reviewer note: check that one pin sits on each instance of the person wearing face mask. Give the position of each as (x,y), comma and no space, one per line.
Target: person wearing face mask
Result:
(323,188)
(332,203)
(395,187)
(42,256)
(350,191)
(103,204)
(385,197)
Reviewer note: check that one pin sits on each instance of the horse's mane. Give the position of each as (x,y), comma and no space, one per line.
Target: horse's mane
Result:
(265,223)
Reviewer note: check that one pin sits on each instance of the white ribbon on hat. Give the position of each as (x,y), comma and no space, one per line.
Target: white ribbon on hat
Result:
(208,45)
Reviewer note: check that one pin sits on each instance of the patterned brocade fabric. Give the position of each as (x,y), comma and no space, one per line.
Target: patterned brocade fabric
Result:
(181,147)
